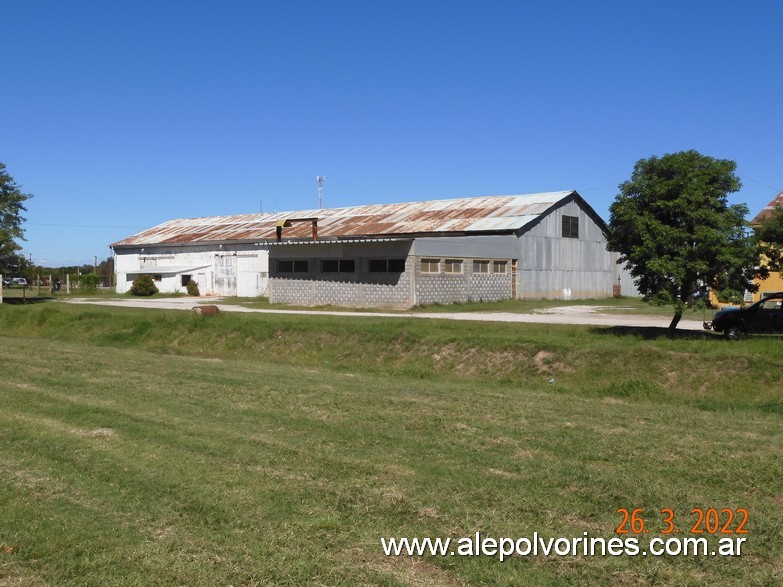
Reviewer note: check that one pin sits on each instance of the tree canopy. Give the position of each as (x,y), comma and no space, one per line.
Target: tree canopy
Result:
(12,201)
(677,233)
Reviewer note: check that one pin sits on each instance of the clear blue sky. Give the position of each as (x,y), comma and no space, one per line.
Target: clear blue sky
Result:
(119,115)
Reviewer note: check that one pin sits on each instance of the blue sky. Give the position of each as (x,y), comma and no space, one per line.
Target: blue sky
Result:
(120,115)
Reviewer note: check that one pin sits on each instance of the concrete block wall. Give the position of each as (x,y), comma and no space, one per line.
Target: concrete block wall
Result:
(490,288)
(360,289)
(445,288)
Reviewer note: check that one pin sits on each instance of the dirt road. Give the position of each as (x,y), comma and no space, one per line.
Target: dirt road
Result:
(587,315)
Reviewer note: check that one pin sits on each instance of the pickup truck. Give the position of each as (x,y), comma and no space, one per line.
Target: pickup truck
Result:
(763,317)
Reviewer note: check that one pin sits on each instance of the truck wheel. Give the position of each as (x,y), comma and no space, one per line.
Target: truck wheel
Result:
(733,333)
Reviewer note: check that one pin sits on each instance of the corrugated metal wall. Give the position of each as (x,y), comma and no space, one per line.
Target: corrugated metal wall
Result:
(549,263)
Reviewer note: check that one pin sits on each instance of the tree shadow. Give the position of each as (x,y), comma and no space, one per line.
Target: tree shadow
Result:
(25,301)
(654,332)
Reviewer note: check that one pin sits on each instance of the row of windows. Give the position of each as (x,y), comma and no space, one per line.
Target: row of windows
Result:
(455,266)
(450,266)
(342,266)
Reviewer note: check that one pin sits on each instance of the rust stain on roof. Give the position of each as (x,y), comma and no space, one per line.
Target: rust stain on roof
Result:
(483,214)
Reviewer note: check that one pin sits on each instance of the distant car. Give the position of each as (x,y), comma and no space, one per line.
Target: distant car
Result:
(14,281)
(763,317)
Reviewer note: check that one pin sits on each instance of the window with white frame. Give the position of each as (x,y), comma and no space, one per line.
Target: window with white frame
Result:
(481,267)
(430,265)
(453,266)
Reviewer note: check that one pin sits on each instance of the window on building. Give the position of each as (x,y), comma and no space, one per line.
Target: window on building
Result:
(292,266)
(338,266)
(387,265)
(430,265)
(186,280)
(157,278)
(481,267)
(453,266)
(499,266)
(396,265)
(570,226)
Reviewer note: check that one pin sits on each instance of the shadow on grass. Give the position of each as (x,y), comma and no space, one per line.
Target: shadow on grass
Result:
(20,301)
(653,332)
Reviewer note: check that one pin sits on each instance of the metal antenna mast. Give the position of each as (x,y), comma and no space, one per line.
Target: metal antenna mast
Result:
(320,179)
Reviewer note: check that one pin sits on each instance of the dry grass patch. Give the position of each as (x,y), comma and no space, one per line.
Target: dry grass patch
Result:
(411,571)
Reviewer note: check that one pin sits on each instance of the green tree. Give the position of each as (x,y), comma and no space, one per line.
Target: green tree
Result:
(106,271)
(769,236)
(89,283)
(11,207)
(677,234)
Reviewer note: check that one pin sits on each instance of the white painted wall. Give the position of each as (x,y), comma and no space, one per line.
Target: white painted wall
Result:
(235,269)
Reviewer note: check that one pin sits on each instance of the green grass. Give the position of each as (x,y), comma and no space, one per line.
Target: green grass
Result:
(158,447)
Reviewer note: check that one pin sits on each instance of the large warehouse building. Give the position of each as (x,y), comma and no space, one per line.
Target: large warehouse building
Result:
(549,245)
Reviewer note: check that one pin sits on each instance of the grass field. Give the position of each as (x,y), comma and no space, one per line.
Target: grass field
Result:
(141,448)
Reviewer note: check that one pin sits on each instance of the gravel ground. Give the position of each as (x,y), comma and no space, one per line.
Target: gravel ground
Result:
(588,315)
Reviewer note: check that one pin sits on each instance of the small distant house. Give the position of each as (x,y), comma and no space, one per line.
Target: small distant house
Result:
(548,245)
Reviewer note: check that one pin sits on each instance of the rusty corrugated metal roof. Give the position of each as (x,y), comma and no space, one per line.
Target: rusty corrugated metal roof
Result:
(768,209)
(482,214)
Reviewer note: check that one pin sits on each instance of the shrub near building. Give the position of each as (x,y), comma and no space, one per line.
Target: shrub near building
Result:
(143,286)
(192,288)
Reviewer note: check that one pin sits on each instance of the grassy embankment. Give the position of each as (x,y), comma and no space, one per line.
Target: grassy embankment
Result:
(166,448)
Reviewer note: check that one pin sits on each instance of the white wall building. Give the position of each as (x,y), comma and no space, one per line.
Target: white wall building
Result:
(550,245)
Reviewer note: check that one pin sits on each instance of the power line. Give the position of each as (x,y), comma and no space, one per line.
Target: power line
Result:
(600,187)
(778,190)
(83,225)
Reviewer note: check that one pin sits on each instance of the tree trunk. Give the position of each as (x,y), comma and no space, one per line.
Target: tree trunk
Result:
(675,321)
